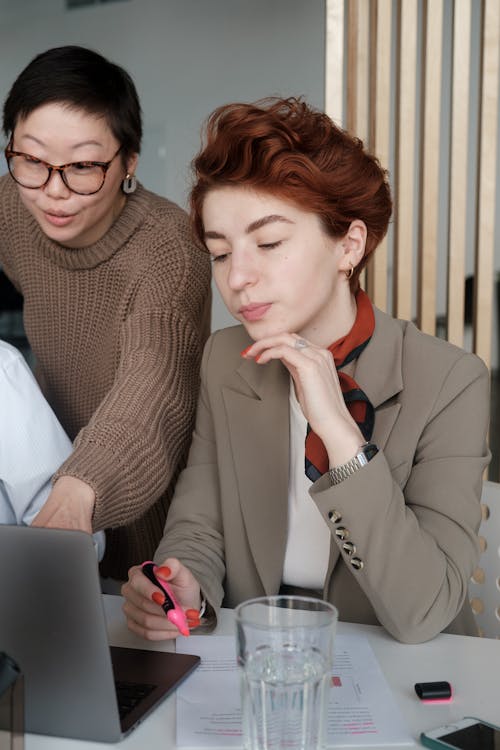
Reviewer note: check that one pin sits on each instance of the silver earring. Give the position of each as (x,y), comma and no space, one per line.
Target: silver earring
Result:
(129,184)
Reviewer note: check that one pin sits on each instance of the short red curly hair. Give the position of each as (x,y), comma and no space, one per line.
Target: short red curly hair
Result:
(286,148)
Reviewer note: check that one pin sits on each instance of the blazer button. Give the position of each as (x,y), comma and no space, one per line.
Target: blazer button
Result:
(357,563)
(342,532)
(349,547)
(334,516)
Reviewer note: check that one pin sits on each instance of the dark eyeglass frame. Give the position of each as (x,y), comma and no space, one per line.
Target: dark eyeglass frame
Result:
(104,165)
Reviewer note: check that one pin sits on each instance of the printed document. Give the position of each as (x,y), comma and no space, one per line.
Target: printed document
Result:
(361,711)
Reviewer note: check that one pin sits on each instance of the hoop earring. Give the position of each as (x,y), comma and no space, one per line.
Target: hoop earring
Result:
(349,273)
(129,184)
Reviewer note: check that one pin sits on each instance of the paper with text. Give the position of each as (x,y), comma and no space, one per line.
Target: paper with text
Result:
(361,711)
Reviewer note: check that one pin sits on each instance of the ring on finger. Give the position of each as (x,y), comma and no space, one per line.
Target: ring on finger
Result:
(300,344)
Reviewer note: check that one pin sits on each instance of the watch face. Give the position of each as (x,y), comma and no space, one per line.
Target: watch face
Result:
(370,450)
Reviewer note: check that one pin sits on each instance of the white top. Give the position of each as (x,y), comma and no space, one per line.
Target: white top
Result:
(308,543)
(32,443)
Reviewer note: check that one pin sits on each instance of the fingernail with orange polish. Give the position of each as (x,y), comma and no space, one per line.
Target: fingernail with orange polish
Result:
(192,614)
(163,572)
(158,597)
(244,351)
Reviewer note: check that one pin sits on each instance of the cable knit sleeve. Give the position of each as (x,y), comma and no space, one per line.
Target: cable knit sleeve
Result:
(7,208)
(137,439)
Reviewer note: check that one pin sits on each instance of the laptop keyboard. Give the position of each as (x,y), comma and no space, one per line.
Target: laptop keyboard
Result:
(129,694)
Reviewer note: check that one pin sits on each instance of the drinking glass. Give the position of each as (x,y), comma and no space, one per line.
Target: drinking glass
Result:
(285,653)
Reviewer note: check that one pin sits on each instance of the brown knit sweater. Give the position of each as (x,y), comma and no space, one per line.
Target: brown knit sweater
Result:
(117,329)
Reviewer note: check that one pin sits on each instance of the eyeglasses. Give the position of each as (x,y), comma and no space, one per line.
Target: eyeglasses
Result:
(82,177)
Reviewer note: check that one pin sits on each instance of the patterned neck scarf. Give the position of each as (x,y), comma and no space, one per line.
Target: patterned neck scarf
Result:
(345,350)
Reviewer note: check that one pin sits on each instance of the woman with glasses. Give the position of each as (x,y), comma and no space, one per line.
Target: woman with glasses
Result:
(116,297)
(337,452)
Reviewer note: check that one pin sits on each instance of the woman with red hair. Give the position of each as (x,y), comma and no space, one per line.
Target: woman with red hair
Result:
(337,451)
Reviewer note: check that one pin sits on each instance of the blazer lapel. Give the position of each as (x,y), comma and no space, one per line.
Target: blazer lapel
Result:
(258,420)
(378,372)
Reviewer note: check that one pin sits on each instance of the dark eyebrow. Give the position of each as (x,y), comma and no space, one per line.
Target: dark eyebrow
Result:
(74,147)
(266,220)
(257,224)
(214,236)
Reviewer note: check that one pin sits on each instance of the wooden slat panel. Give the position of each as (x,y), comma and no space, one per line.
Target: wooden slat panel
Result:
(358,67)
(483,307)
(380,128)
(361,125)
(334,67)
(405,162)
(352,7)
(358,74)
(458,170)
(429,183)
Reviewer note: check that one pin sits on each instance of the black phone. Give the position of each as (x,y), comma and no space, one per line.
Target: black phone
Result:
(468,733)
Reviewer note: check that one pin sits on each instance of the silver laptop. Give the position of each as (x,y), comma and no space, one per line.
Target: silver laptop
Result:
(52,623)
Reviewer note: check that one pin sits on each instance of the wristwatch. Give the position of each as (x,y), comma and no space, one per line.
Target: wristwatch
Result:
(363,456)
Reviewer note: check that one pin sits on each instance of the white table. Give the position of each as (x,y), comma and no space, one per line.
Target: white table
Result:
(472,665)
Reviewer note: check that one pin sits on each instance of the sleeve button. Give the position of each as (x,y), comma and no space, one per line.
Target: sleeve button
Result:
(335,516)
(342,532)
(357,563)
(349,548)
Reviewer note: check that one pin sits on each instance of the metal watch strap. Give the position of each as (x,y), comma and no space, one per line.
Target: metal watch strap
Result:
(365,454)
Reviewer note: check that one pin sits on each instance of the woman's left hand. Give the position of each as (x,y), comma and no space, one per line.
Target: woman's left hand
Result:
(69,506)
(317,388)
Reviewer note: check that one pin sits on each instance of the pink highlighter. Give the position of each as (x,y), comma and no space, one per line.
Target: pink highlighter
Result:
(170,606)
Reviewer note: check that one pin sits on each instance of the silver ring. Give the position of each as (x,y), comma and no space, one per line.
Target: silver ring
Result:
(301,344)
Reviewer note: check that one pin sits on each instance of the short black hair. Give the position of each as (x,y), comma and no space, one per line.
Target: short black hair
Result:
(83,79)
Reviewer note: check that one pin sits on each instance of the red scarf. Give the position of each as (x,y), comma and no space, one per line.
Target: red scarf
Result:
(345,350)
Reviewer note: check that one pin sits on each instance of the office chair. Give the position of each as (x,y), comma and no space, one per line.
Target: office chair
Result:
(484,587)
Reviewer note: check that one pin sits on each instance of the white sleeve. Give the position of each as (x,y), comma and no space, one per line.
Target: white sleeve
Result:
(32,442)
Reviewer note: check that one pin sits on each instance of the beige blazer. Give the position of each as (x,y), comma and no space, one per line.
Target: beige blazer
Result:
(412,513)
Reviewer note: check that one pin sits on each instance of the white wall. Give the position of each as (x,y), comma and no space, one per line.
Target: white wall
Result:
(186,57)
